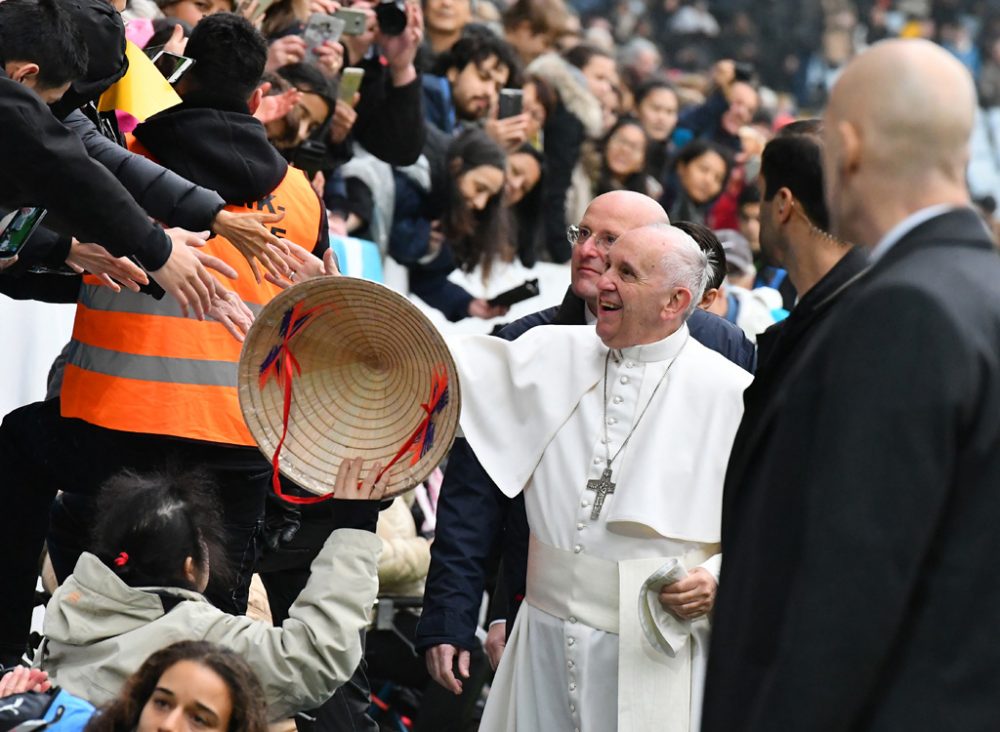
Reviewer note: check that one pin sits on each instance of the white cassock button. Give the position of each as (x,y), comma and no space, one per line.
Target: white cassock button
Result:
(623,379)
(584,503)
(570,641)
(612,420)
(572,620)
(629,364)
(604,440)
(579,527)
(618,400)
(597,461)
(572,687)
(577,549)
(572,708)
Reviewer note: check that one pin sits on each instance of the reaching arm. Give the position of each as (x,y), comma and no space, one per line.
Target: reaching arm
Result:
(163,194)
(471,512)
(53,170)
(318,647)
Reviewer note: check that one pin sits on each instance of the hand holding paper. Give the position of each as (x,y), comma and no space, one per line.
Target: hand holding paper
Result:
(690,596)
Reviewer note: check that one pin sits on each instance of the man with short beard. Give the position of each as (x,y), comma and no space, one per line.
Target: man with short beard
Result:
(468,80)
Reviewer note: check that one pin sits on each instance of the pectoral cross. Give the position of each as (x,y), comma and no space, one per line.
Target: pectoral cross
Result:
(602,488)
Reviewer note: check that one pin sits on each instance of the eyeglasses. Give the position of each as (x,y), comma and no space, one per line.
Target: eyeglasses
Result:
(577,235)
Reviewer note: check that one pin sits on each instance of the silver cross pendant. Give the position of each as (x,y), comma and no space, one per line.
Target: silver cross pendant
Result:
(602,488)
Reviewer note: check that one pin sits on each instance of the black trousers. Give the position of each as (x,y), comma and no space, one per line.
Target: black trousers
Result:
(390,658)
(42,453)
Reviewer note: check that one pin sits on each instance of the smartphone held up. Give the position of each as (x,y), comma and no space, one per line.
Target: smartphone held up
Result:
(321,29)
(16,228)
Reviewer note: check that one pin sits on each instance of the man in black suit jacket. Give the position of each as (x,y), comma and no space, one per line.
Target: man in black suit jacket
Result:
(870,527)
(794,225)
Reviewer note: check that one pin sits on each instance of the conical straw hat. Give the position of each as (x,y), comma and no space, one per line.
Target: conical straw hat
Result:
(374,380)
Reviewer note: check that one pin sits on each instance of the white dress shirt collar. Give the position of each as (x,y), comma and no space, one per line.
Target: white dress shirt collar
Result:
(907,225)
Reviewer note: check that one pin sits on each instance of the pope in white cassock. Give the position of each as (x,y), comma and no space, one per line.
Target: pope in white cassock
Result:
(619,441)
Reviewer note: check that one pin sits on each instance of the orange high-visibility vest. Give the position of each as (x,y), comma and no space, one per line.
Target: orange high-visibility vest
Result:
(136,365)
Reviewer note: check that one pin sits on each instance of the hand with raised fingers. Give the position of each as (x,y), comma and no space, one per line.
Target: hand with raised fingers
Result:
(250,233)
(177,41)
(111,270)
(285,50)
(400,51)
(275,106)
(351,486)
(329,58)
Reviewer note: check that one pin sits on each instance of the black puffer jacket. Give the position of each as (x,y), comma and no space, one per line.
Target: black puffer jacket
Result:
(164,195)
(44,164)
(211,139)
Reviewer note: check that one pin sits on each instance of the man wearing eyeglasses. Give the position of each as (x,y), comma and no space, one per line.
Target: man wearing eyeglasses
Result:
(473,514)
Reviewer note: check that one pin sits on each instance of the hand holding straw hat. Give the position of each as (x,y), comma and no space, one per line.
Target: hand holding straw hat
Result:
(337,368)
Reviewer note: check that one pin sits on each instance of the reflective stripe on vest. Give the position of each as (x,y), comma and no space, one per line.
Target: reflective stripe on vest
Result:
(136,365)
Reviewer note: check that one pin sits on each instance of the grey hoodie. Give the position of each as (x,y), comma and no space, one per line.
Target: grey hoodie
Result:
(98,630)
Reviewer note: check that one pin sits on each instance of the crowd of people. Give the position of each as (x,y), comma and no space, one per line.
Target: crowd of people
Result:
(778,340)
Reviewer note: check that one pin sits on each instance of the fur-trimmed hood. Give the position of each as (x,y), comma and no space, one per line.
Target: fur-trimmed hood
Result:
(571,86)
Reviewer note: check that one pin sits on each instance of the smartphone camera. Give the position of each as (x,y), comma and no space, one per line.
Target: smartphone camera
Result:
(311,156)
(391,15)
(744,71)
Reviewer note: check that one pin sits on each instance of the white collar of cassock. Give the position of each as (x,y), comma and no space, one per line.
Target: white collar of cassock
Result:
(662,350)
(517,395)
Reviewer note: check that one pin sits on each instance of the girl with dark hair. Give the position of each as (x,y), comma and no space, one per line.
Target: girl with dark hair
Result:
(697,177)
(188,685)
(656,107)
(157,540)
(623,161)
(523,199)
(457,224)
(184,509)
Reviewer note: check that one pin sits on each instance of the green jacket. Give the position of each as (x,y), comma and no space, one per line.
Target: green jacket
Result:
(98,630)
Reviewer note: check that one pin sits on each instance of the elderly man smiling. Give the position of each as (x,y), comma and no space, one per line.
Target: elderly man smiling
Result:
(619,442)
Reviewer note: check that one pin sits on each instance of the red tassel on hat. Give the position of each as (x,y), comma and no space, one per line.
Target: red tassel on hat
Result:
(121,560)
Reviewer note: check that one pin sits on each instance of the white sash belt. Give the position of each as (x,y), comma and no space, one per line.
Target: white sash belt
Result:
(554,586)
(655,689)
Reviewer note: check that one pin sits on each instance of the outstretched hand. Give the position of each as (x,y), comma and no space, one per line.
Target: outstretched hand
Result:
(110,270)
(229,310)
(183,276)
(249,233)
(304,265)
